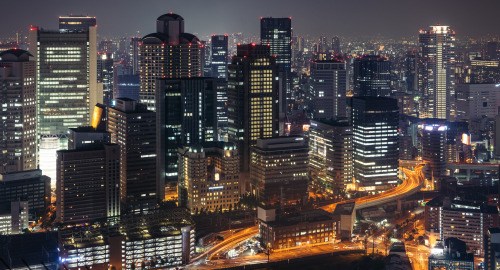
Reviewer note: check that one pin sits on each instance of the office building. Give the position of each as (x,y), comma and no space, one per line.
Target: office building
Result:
(66,87)
(134,54)
(279,170)
(220,62)
(330,156)
(87,137)
(30,250)
(277,33)
(133,128)
(434,149)
(375,124)
(315,226)
(30,186)
(410,72)
(492,50)
(372,76)
(436,72)
(14,217)
(88,183)
(475,101)
(329,84)
(18,114)
(252,99)
(185,115)
(466,220)
(162,238)
(127,86)
(451,254)
(209,177)
(105,77)
(492,249)
(336,45)
(76,23)
(168,53)
(484,71)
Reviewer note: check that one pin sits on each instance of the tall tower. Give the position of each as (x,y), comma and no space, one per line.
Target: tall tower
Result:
(219,71)
(133,127)
(336,45)
(168,53)
(66,86)
(434,149)
(372,76)
(329,87)
(185,115)
(436,72)
(135,53)
(18,113)
(375,123)
(277,32)
(252,99)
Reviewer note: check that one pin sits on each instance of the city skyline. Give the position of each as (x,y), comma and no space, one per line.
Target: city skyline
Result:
(389,18)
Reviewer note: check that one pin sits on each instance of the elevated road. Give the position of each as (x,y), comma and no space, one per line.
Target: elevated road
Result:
(411,185)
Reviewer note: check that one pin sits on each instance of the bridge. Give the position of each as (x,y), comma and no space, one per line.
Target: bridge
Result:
(414,180)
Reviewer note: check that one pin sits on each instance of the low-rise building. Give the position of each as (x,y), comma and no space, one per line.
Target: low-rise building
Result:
(162,238)
(296,229)
(451,255)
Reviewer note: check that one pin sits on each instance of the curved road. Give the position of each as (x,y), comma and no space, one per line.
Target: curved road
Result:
(413,183)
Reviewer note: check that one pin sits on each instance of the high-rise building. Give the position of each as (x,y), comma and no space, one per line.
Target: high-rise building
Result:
(135,53)
(372,76)
(492,50)
(76,23)
(277,33)
(105,77)
(30,186)
(375,122)
(66,86)
(219,70)
(436,72)
(492,249)
(434,149)
(484,71)
(133,128)
(467,220)
(329,88)
(410,72)
(206,58)
(279,170)
(168,53)
(252,99)
(14,217)
(88,183)
(330,156)
(18,114)
(336,45)
(209,177)
(126,86)
(185,115)
(475,101)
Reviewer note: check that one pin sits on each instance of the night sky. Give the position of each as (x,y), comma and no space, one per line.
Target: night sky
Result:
(354,18)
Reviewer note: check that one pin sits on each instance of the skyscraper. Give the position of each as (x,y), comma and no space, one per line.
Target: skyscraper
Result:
(219,71)
(168,53)
(329,87)
(18,114)
(336,45)
(66,86)
(88,183)
(105,77)
(135,53)
(372,76)
(252,99)
(185,115)
(133,128)
(434,149)
(277,33)
(330,155)
(436,72)
(375,123)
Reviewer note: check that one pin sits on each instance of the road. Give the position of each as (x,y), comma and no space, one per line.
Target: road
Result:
(413,180)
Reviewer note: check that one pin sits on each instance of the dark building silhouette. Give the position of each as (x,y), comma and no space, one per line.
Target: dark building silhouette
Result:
(372,76)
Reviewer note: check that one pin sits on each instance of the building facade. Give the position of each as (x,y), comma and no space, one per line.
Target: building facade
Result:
(18,114)
(209,177)
(372,76)
(329,84)
(133,128)
(168,53)
(375,124)
(279,170)
(436,72)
